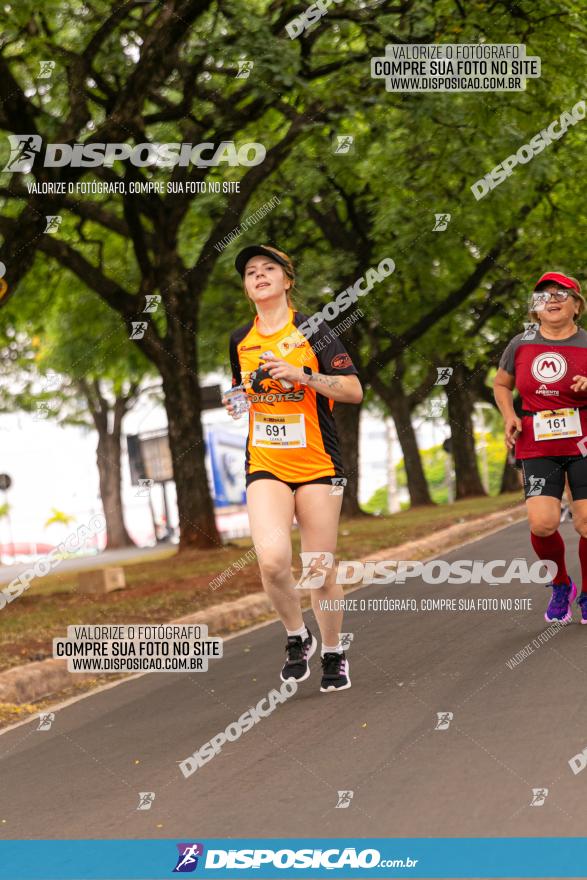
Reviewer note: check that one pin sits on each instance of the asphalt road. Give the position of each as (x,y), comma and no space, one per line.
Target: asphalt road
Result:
(513,730)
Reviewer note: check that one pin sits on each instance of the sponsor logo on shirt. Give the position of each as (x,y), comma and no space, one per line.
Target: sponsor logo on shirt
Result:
(270,397)
(547,391)
(288,346)
(262,383)
(250,347)
(549,367)
(340,361)
(263,389)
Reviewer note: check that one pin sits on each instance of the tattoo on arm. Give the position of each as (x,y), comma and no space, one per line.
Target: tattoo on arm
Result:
(330,381)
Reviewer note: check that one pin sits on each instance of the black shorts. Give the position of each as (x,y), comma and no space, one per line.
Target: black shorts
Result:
(328,481)
(546,476)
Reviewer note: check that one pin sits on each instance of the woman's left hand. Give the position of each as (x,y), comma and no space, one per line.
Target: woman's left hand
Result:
(579,383)
(280,369)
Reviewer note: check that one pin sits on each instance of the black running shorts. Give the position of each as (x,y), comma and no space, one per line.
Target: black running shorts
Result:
(546,476)
(329,481)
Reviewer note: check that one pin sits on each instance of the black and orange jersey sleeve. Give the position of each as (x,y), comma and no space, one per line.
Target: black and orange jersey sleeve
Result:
(235,366)
(330,353)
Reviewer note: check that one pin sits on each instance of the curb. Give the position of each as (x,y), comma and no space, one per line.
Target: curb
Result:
(33,681)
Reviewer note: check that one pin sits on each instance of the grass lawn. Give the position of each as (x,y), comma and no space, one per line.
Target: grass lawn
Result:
(173,584)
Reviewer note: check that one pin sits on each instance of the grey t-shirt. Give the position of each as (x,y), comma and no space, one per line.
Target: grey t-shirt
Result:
(508,359)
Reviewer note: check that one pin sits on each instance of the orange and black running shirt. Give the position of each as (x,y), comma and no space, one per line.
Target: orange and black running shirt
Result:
(292,433)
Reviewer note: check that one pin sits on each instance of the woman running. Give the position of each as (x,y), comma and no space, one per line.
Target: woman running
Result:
(293,462)
(548,366)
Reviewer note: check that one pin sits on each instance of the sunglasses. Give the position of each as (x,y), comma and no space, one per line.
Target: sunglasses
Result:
(540,299)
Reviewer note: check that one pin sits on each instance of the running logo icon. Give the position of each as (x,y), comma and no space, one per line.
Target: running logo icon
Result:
(138,329)
(23,152)
(187,860)
(444,374)
(152,301)
(53,222)
(539,795)
(338,485)
(51,381)
(146,799)
(43,411)
(443,720)
(441,222)
(536,485)
(344,800)
(46,68)
(46,719)
(316,566)
(343,143)
(244,69)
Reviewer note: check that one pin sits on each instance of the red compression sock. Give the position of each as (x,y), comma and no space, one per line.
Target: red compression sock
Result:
(583,561)
(553,547)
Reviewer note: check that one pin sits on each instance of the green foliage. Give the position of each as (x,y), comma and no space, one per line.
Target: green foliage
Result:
(437,463)
(49,343)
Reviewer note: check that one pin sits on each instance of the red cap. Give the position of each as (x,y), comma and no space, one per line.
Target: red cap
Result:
(559,278)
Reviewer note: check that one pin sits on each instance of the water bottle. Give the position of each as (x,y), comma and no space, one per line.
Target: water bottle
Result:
(286,385)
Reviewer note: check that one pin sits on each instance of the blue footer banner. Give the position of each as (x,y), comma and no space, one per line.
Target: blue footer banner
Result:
(514,857)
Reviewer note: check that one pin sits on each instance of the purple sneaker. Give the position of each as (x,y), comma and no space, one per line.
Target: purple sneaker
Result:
(582,603)
(335,672)
(559,607)
(297,655)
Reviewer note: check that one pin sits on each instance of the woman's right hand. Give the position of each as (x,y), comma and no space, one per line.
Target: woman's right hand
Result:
(513,428)
(230,408)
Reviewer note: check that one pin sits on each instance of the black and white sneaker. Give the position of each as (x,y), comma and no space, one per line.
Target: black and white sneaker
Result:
(297,655)
(335,672)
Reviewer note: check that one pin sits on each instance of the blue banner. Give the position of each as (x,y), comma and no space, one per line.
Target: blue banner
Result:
(302,858)
(227,463)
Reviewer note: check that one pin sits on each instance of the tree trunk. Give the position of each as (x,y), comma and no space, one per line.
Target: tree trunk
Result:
(460,409)
(109,470)
(400,412)
(400,407)
(107,420)
(347,417)
(186,442)
(510,478)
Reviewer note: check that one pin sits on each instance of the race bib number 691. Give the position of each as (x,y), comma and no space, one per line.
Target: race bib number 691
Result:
(279,432)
